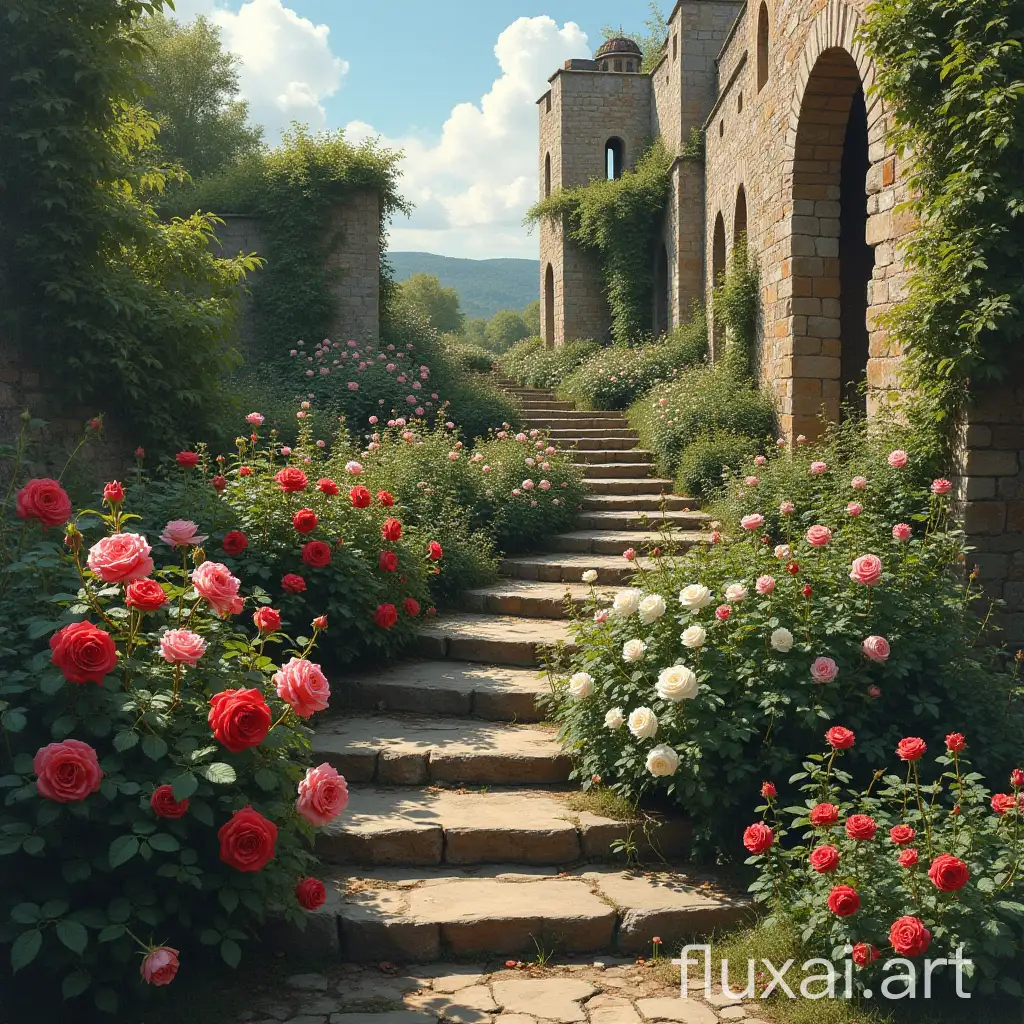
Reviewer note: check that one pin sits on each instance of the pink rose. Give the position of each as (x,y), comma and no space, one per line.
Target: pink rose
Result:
(876,648)
(765,585)
(215,584)
(941,487)
(752,481)
(859,483)
(121,558)
(819,536)
(898,459)
(854,508)
(66,772)
(902,532)
(182,647)
(303,686)
(255,418)
(866,570)
(323,795)
(601,615)
(787,508)
(817,468)
(824,670)
(161,964)
(759,460)
(752,522)
(182,533)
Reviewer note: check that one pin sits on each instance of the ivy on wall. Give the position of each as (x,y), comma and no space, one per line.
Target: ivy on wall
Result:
(619,221)
(735,304)
(953,76)
(292,189)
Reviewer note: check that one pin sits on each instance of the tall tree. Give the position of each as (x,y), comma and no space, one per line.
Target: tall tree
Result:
(440,306)
(532,317)
(504,329)
(191,88)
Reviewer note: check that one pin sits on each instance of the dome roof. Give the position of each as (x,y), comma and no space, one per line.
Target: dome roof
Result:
(616,46)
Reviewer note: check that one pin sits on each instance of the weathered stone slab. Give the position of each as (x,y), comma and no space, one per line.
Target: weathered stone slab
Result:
(557,999)
(681,1011)
(501,639)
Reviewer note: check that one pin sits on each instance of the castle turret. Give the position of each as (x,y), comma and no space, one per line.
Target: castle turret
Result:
(619,54)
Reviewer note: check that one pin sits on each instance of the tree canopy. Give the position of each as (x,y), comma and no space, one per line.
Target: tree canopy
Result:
(440,306)
(504,329)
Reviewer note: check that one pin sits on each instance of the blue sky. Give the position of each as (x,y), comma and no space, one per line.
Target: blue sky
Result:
(450,82)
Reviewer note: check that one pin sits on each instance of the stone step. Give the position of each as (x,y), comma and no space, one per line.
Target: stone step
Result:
(422,915)
(607,470)
(625,485)
(492,826)
(494,692)
(640,520)
(612,571)
(572,433)
(605,445)
(527,599)
(413,750)
(499,639)
(652,501)
(614,542)
(628,456)
(544,404)
(572,418)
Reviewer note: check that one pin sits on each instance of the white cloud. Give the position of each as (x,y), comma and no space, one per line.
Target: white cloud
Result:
(473,185)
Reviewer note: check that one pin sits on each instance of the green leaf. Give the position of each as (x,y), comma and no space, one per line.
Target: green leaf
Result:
(183,786)
(218,772)
(111,932)
(231,952)
(105,1000)
(164,842)
(73,935)
(125,741)
(13,720)
(154,747)
(266,779)
(34,845)
(209,936)
(75,983)
(26,913)
(26,947)
(123,849)
(54,908)
(228,899)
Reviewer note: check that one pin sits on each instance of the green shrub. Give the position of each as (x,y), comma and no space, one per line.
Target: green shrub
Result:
(516,362)
(699,402)
(616,377)
(471,358)
(550,366)
(702,463)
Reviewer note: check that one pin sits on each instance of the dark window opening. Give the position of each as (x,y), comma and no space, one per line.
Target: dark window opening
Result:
(675,48)
(717,273)
(739,103)
(762,46)
(739,220)
(618,65)
(549,307)
(547,174)
(614,156)
(661,289)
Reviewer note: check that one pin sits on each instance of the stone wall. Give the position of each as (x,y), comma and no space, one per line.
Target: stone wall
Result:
(242,234)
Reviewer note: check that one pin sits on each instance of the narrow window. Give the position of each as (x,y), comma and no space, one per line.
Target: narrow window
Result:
(721,129)
(739,103)
(675,47)
(547,103)
(618,65)
(547,174)
(604,66)
(629,65)
(614,153)
(762,46)
(549,307)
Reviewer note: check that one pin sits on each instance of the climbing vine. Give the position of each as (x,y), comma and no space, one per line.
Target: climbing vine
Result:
(292,189)
(735,304)
(619,222)
(953,76)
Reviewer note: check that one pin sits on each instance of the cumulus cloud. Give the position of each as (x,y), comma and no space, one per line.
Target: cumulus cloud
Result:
(473,184)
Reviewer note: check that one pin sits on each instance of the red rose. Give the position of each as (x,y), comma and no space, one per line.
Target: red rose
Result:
(388,561)
(219,483)
(385,616)
(864,953)
(824,814)
(267,619)
(908,857)
(247,840)
(840,738)
(310,893)
(292,583)
(955,742)
(320,622)
(861,826)
(316,553)
(360,496)
(911,749)
(793,568)
(391,530)
(235,542)
(189,460)
(909,937)
(45,500)
(768,790)
(245,471)
(83,652)
(758,838)
(325,485)
(412,607)
(808,590)
(948,873)
(843,901)
(1017,778)
(67,772)
(146,595)
(824,859)
(291,479)
(385,498)
(434,551)
(239,719)
(113,492)
(305,520)
(902,834)
(165,806)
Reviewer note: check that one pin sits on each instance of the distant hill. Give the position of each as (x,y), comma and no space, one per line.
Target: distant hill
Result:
(484,286)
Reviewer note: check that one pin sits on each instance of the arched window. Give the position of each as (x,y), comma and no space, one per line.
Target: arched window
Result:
(739,221)
(614,157)
(717,274)
(762,46)
(549,306)
(547,175)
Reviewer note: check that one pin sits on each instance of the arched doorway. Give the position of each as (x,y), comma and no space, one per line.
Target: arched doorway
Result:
(661,286)
(739,220)
(832,267)
(549,307)
(717,273)
(614,158)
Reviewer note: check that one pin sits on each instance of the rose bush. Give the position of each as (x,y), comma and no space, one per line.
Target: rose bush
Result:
(789,621)
(155,749)
(916,864)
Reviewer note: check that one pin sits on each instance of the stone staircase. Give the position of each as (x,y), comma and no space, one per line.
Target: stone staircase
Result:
(464,835)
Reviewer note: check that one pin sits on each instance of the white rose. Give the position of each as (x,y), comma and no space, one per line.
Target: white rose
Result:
(694,636)
(643,723)
(662,760)
(590,575)
(633,650)
(614,719)
(782,551)
(626,602)
(782,639)
(676,683)
(581,685)
(652,607)
(695,596)
(735,592)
